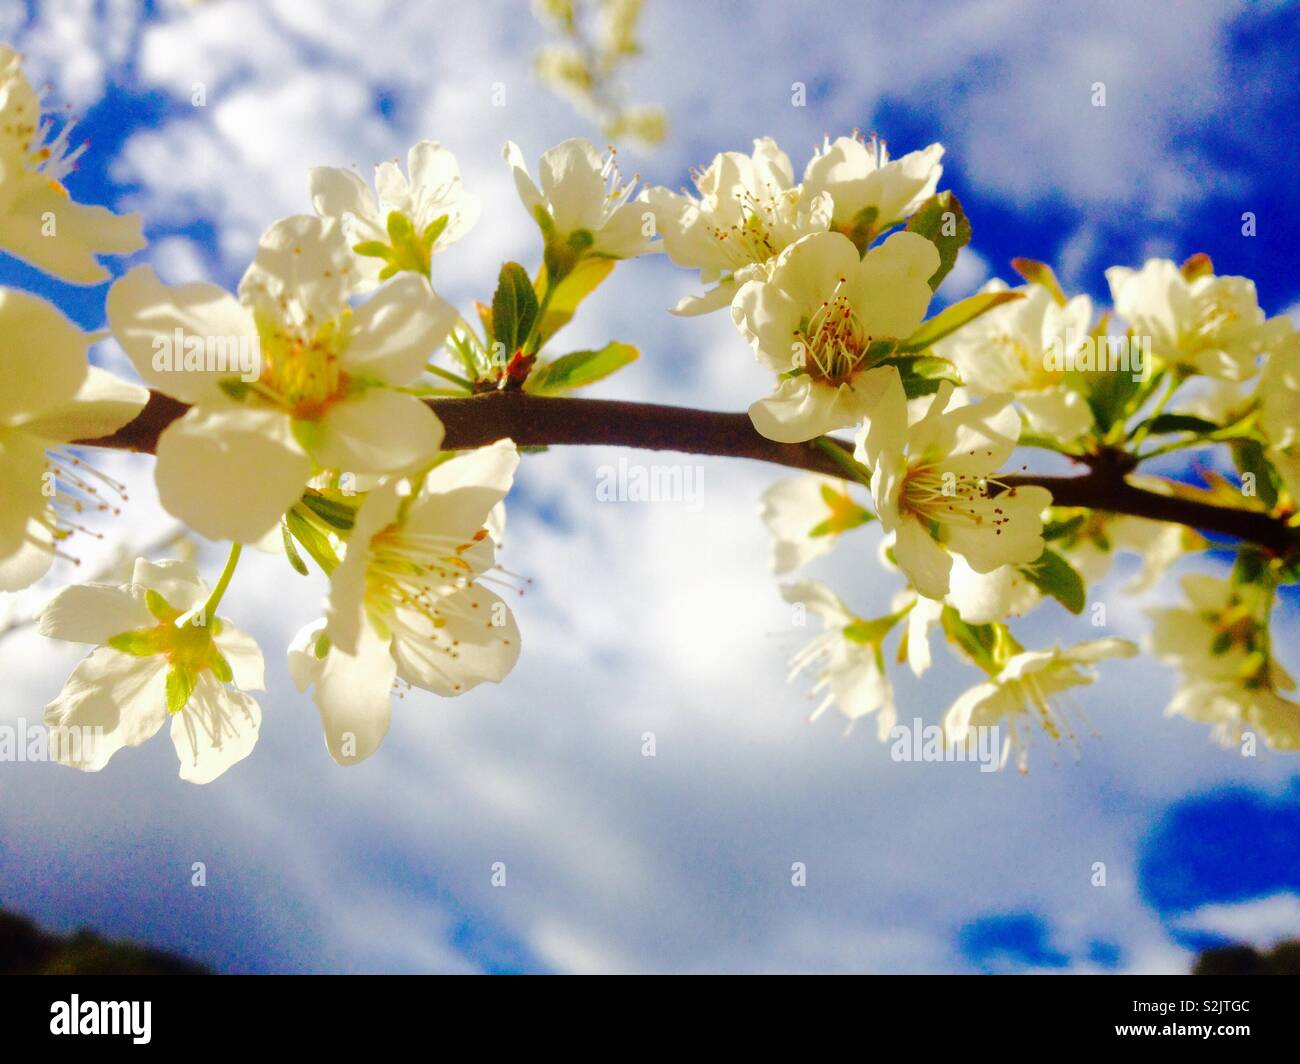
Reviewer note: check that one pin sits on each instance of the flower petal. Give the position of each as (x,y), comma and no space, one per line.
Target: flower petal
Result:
(93,613)
(397,331)
(378,431)
(148,317)
(217,729)
(353,697)
(230,472)
(42,357)
(122,695)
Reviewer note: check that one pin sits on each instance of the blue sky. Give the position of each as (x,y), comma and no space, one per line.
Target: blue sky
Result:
(651,618)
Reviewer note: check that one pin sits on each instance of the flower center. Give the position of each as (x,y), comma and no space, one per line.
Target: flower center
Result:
(753,238)
(834,340)
(41,150)
(416,583)
(303,374)
(937,496)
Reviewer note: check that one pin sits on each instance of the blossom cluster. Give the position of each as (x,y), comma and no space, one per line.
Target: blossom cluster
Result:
(308,431)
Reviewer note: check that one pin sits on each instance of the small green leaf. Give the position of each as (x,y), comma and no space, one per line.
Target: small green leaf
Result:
(337,515)
(235,388)
(432,231)
(313,541)
(181,682)
(1250,458)
(400,228)
(373,249)
(1040,273)
(1164,423)
(862,230)
(576,286)
(976,642)
(579,369)
(160,607)
(941,220)
(1063,529)
(514,308)
(220,666)
(922,374)
(845,514)
(291,552)
(142,643)
(952,318)
(1054,576)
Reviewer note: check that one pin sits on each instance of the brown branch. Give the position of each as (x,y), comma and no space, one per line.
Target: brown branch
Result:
(536,421)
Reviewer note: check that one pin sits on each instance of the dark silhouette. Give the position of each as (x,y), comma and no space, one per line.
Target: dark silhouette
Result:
(27,950)
(1283,959)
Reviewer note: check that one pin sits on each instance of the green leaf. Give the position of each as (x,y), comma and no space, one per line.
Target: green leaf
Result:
(976,642)
(941,220)
(291,552)
(579,369)
(1063,529)
(1164,423)
(235,388)
(1054,576)
(433,230)
(313,541)
(1111,396)
(220,666)
(142,643)
(922,374)
(1249,567)
(576,286)
(514,308)
(160,608)
(181,682)
(1250,458)
(335,514)
(952,318)
(374,249)
(1040,273)
(400,228)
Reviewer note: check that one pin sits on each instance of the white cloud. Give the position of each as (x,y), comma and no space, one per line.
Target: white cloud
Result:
(1261,922)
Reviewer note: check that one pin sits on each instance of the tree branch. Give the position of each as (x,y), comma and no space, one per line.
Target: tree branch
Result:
(537,421)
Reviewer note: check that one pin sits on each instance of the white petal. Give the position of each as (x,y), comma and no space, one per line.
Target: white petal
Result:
(305,668)
(230,473)
(176,581)
(148,317)
(93,613)
(124,696)
(336,192)
(102,405)
(42,357)
(573,185)
(22,463)
(216,729)
(378,431)
(29,560)
(926,563)
(397,331)
(303,268)
(81,232)
(470,649)
(243,656)
(459,495)
(353,696)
